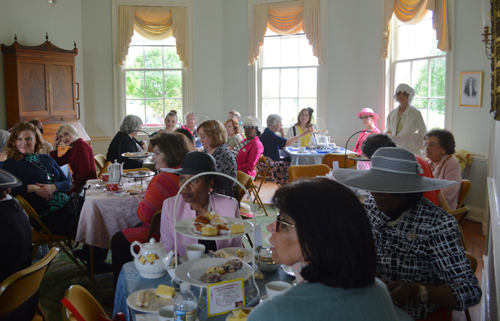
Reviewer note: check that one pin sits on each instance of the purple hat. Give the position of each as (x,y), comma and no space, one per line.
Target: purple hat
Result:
(367,111)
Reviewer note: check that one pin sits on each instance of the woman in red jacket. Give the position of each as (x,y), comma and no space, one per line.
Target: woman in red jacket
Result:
(248,151)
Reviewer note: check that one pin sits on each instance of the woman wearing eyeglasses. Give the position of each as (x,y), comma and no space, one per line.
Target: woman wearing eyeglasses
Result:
(369,119)
(331,252)
(405,124)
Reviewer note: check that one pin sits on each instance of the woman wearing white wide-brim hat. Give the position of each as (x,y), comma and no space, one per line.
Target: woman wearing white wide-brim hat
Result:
(405,123)
(419,255)
(248,151)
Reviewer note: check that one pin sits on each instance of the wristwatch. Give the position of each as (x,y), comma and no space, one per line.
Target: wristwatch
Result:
(423,295)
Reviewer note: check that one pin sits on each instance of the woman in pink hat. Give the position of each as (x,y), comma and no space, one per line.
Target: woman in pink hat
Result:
(369,119)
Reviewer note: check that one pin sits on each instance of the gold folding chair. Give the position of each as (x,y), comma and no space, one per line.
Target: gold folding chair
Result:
(247,181)
(263,175)
(154,226)
(21,286)
(45,236)
(307,171)
(104,170)
(83,302)
(462,211)
(329,158)
(99,161)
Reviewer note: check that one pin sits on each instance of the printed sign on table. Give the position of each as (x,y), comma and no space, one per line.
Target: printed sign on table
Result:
(225,296)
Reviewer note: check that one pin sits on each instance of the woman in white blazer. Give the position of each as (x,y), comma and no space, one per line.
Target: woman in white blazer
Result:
(304,119)
(405,124)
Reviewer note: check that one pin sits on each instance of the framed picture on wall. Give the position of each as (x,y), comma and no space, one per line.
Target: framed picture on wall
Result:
(471,89)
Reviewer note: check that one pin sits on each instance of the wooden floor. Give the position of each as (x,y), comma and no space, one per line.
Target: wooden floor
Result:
(474,238)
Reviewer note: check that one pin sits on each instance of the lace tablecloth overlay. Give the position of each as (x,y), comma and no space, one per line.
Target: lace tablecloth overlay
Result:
(103,214)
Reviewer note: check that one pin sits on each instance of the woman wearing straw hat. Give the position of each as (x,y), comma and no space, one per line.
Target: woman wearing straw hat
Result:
(419,255)
(369,119)
(405,123)
(248,151)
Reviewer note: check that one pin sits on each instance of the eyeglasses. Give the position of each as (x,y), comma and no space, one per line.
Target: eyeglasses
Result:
(279,221)
(399,93)
(249,127)
(364,117)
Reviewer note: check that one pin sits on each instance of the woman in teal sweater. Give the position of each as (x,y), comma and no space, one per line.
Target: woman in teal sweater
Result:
(323,232)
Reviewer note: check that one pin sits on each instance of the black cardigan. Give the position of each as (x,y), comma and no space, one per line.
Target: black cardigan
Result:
(123,143)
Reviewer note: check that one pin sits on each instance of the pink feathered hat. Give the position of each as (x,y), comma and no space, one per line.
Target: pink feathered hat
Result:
(369,112)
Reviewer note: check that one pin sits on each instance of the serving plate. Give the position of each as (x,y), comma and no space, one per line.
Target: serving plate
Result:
(232,315)
(191,271)
(247,258)
(287,269)
(137,155)
(155,302)
(184,227)
(136,174)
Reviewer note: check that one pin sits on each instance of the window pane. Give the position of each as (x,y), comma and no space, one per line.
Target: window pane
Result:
(436,114)
(421,104)
(424,41)
(289,83)
(303,103)
(174,104)
(154,84)
(155,113)
(135,107)
(306,57)
(271,52)
(406,43)
(420,77)
(135,58)
(154,57)
(289,51)
(135,84)
(173,84)
(289,111)
(402,73)
(270,83)
(308,78)
(270,106)
(438,74)
(171,58)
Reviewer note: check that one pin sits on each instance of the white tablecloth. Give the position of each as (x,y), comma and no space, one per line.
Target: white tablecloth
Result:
(309,158)
(103,214)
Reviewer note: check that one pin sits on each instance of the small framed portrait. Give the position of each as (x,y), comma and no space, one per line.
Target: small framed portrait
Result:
(471,89)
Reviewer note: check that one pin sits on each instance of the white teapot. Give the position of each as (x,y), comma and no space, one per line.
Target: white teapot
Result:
(152,260)
(324,139)
(115,171)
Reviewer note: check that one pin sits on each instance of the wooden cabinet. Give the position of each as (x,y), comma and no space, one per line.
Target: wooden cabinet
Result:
(39,83)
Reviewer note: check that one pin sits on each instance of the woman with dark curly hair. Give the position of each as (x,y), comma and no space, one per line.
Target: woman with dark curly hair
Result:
(439,149)
(332,254)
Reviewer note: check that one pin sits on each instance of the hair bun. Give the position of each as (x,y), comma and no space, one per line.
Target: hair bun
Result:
(310,110)
(173,112)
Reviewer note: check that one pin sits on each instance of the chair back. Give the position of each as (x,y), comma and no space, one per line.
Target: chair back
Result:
(27,207)
(154,226)
(464,191)
(104,170)
(99,161)
(329,158)
(83,302)
(22,285)
(245,180)
(307,171)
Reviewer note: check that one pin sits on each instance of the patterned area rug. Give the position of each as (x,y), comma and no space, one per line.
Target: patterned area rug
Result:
(62,273)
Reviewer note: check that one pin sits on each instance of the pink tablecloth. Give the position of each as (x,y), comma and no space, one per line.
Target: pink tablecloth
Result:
(103,214)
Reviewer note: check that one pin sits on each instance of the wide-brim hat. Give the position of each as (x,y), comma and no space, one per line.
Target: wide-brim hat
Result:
(367,111)
(7,180)
(394,170)
(251,121)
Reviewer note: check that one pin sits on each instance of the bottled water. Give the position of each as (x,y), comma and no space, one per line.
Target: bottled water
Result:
(185,304)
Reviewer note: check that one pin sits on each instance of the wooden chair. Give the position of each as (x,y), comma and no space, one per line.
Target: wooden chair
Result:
(329,158)
(99,161)
(263,175)
(307,171)
(83,302)
(45,236)
(462,211)
(154,226)
(21,286)
(103,170)
(247,181)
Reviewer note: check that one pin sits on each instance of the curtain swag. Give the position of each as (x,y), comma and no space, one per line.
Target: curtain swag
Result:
(153,23)
(412,12)
(286,18)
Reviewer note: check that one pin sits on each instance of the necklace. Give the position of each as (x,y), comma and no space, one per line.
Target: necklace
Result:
(33,159)
(402,216)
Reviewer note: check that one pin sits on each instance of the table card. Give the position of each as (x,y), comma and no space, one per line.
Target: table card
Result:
(225,296)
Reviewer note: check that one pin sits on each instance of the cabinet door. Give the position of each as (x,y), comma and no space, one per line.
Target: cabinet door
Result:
(33,98)
(62,88)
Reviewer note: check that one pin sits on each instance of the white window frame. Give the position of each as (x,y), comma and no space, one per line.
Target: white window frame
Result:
(388,66)
(120,108)
(255,95)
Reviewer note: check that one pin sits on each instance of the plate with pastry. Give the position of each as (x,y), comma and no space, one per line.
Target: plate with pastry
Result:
(139,174)
(196,228)
(137,154)
(287,269)
(235,253)
(151,300)
(203,272)
(238,314)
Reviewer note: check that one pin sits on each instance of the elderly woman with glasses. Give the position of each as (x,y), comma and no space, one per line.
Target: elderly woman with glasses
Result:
(248,152)
(419,254)
(405,123)
(273,143)
(125,142)
(331,252)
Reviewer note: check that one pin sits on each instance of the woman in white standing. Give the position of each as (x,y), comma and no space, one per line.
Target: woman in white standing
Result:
(405,124)
(304,120)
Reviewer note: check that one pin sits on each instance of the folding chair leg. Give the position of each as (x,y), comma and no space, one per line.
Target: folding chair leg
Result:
(247,237)
(72,257)
(259,201)
(467,315)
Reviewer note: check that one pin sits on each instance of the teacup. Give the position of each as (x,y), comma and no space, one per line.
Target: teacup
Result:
(331,145)
(195,251)
(302,149)
(166,313)
(105,177)
(275,288)
(296,145)
(112,187)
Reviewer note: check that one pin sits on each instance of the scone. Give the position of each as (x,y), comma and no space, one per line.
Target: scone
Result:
(208,230)
(237,228)
(217,269)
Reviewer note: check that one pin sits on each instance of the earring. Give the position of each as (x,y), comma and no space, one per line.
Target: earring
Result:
(443,152)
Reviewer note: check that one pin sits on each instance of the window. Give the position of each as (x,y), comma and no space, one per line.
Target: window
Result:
(418,62)
(153,80)
(288,76)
